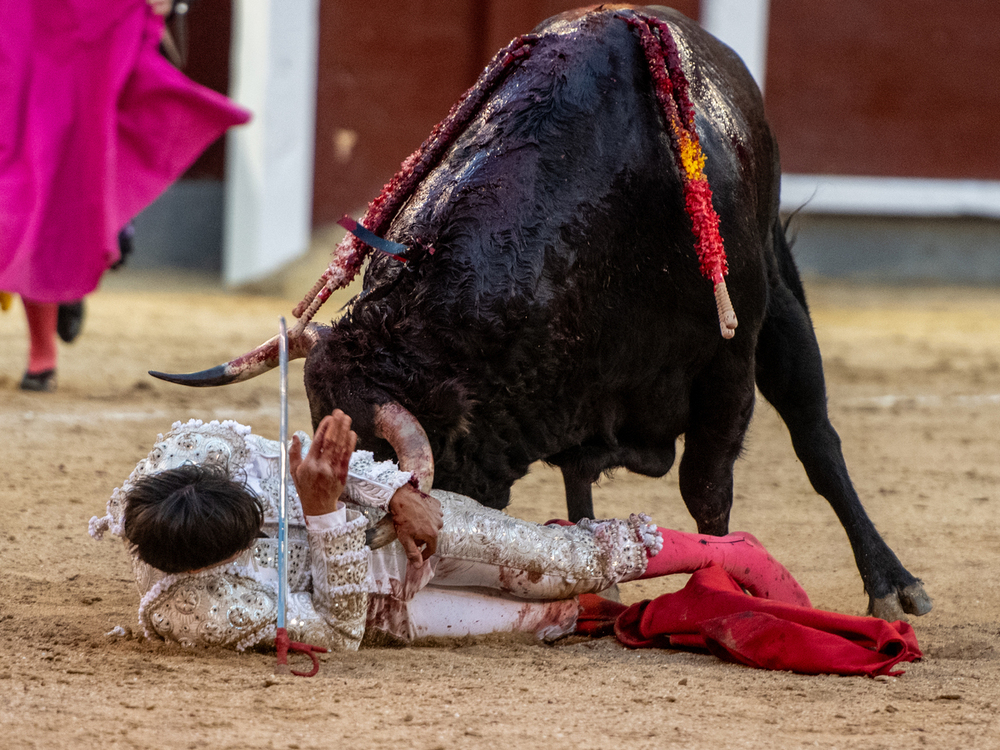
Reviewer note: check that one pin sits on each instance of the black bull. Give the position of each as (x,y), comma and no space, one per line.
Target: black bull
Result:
(551,306)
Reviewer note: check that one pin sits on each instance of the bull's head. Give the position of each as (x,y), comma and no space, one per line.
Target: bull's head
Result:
(384,419)
(388,421)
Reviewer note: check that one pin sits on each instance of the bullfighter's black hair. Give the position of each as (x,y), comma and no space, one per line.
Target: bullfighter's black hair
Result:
(190,517)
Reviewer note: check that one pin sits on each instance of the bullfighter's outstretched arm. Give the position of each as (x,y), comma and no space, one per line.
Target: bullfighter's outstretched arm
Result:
(323,475)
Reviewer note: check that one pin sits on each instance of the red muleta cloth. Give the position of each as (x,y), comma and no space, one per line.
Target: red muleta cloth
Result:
(712,612)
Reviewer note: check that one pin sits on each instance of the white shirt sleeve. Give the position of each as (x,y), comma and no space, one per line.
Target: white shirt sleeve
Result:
(328,521)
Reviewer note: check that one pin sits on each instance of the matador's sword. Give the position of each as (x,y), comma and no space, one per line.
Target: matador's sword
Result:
(281,641)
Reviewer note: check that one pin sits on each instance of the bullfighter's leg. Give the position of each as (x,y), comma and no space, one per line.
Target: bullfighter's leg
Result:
(721,406)
(454,612)
(790,376)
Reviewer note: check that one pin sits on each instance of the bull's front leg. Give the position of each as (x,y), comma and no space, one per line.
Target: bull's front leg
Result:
(579,492)
(721,406)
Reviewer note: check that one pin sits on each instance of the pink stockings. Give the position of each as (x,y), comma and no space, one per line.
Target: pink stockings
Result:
(42,330)
(739,554)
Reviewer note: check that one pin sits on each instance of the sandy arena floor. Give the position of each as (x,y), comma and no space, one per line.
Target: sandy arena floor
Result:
(914,381)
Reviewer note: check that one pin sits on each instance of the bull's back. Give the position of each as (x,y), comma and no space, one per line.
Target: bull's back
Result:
(564,289)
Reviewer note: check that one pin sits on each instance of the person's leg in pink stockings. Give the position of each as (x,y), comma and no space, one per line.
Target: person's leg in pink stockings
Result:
(43,354)
(739,554)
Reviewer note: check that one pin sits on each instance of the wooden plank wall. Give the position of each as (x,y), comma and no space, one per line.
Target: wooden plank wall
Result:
(903,88)
(863,87)
(387,76)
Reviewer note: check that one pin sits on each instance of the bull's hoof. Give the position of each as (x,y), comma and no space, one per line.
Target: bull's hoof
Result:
(915,600)
(911,600)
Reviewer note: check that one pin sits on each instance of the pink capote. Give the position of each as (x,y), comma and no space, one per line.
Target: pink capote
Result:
(94,125)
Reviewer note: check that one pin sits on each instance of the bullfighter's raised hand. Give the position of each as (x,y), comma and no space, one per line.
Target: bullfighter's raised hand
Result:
(320,478)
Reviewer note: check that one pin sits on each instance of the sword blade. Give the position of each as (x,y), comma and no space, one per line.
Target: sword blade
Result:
(283,500)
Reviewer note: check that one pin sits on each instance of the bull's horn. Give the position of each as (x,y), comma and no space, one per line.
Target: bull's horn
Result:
(413,450)
(251,364)
(404,433)
(381,534)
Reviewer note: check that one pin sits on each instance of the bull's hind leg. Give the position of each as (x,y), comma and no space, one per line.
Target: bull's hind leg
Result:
(790,376)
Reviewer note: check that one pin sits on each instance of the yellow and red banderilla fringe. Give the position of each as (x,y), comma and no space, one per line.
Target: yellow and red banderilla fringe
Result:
(671,88)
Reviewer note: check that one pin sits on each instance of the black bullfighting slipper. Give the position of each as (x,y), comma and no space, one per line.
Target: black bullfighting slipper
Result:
(70,321)
(40,381)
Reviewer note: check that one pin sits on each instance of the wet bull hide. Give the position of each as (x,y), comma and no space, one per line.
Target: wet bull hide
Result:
(549,304)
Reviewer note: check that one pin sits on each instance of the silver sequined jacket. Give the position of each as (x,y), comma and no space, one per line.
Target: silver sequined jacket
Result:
(236,604)
(337,586)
